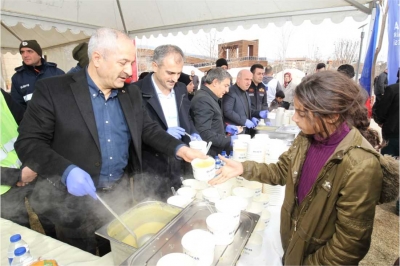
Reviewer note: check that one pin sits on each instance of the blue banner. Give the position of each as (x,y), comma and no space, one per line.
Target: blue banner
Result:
(365,80)
(394,40)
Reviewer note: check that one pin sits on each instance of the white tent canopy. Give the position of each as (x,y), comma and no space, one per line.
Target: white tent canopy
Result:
(58,22)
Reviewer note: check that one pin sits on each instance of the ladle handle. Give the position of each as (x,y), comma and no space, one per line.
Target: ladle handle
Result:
(118,218)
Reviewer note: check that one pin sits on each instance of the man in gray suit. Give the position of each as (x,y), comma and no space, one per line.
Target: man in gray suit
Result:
(236,103)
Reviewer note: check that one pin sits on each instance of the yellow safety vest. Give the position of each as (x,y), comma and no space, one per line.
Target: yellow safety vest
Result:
(9,134)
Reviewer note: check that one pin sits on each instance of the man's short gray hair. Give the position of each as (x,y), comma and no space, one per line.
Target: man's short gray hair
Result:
(217,73)
(164,50)
(103,40)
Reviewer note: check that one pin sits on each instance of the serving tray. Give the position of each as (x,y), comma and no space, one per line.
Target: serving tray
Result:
(168,239)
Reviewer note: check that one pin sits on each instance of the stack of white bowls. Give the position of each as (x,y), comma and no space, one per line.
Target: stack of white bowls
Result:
(274,149)
(276,194)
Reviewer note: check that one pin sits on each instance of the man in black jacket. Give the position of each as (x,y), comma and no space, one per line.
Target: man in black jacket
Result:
(258,92)
(166,101)
(386,114)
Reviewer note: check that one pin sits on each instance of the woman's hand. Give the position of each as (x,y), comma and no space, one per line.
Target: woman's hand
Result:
(229,170)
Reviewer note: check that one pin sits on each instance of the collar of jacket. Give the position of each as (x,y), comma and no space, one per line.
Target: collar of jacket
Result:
(44,63)
(212,94)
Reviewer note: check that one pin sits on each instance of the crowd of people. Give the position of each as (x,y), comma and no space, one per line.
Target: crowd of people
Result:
(67,138)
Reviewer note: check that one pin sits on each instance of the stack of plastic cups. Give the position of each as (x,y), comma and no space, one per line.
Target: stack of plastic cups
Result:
(255,150)
(240,150)
(279,116)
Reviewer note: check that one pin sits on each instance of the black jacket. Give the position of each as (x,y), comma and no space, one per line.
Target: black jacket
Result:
(208,119)
(234,107)
(386,112)
(258,97)
(157,166)
(23,81)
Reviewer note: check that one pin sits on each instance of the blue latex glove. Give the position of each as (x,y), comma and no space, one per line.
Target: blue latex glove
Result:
(264,114)
(231,129)
(249,124)
(176,132)
(268,123)
(195,136)
(255,121)
(233,138)
(79,183)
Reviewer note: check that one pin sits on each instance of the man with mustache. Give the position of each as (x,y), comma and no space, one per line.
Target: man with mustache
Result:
(166,100)
(82,134)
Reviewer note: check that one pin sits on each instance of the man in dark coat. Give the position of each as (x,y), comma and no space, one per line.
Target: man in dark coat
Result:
(166,101)
(258,92)
(386,114)
(207,114)
(236,103)
(82,134)
(33,68)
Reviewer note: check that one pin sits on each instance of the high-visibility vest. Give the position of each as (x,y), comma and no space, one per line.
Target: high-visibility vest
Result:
(9,134)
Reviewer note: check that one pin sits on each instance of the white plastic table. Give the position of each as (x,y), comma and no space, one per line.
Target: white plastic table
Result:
(48,248)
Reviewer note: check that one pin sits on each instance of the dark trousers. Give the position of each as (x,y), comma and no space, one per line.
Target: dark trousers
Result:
(77,218)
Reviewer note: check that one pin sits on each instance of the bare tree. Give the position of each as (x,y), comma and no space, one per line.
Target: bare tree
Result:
(345,52)
(207,45)
(283,37)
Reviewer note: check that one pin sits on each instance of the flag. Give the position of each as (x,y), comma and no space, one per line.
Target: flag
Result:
(393,61)
(365,80)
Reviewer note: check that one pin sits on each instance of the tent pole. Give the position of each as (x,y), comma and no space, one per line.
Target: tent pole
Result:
(385,6)
(122,16)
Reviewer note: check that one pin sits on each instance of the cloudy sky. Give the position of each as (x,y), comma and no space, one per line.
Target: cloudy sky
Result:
(304,40)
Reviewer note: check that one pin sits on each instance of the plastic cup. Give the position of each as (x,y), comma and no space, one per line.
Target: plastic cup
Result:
(199,145)
(211,194)
(192,183)
(255,208)
(199,244)
(265,217)
(179,201)
(253,246)
(203,169)
(224,189)
(263,199)
(177,259)
(187,192)
(222,226)
(232,206)
(243,192)
(255,186)
(240,181)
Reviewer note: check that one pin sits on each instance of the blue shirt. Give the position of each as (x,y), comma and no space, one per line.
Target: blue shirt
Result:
(114,135)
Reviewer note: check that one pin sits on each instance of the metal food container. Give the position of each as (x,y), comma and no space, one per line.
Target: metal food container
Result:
(168,240)
(144,219)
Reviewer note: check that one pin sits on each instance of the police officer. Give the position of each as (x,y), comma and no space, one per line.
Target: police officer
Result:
(258,92)
(33,68)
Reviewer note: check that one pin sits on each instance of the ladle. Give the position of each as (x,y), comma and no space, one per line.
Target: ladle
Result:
(120,220)
(208,146)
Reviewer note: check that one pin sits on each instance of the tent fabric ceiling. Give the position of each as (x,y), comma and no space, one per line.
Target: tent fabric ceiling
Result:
(57,22)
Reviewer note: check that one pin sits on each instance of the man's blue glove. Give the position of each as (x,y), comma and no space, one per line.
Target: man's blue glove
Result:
(231,129)
(79,183)
(249,124)
(233,137)
(176,132)
(264,114)
(195,136)
(255,121)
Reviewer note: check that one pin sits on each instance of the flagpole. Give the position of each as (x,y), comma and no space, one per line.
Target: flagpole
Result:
(359,55)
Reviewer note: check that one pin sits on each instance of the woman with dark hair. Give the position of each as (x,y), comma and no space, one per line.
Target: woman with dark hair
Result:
(333,176)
